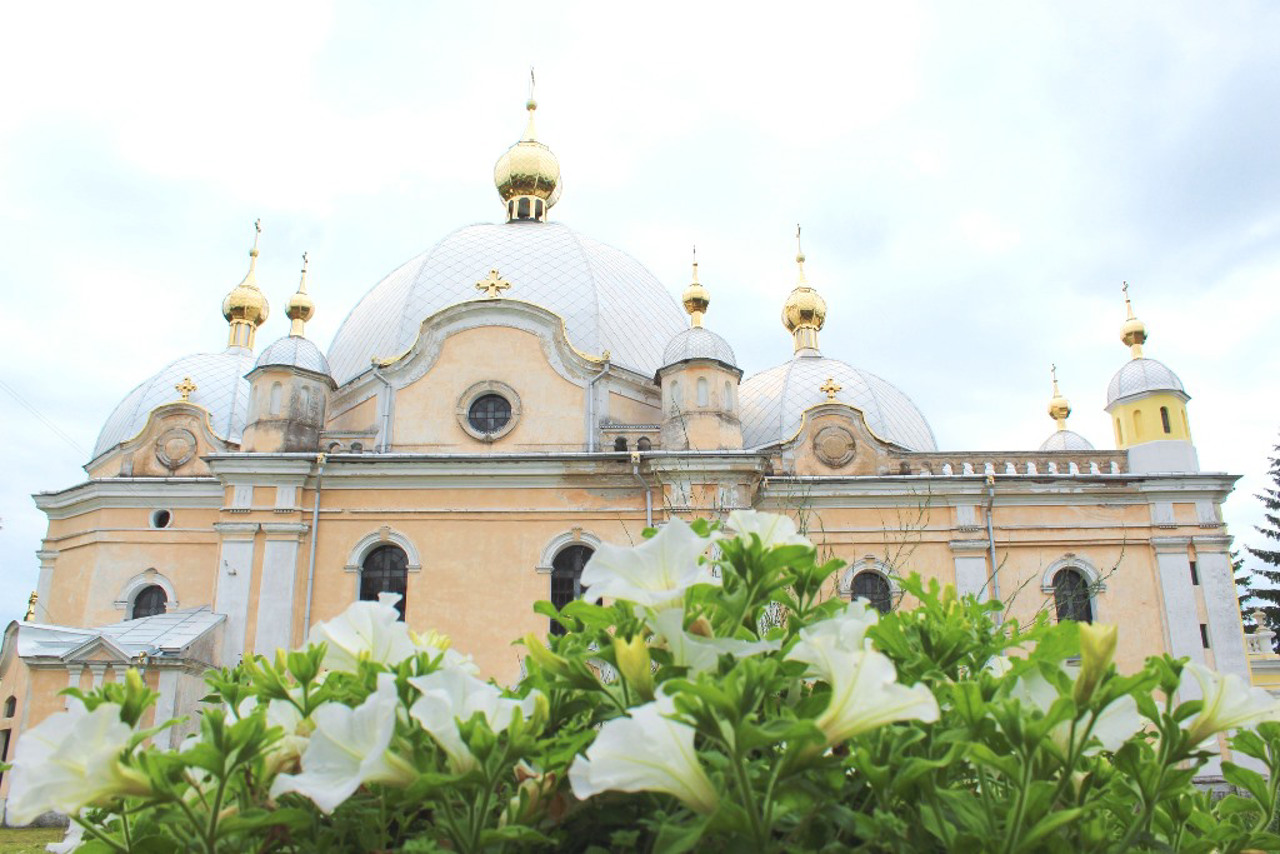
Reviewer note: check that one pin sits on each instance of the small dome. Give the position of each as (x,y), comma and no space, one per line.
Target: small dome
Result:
(220,388)
(1142,375)
(293,351)
(246,302)
(697,342)
(1066,440)
(528,169)
(804,307)
(774,403)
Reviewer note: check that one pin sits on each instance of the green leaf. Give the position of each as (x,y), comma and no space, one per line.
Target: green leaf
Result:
(1048,825)
(1251,781)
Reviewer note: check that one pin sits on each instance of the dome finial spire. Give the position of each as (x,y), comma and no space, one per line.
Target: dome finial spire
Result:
(528,174)
(301,307)
(695,297)
(1059,406)
(246,308)
(1134,331)
(805,311)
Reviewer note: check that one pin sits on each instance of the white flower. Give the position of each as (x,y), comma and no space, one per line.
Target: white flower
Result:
(646,752)
(365,631)
(350,747)
(451,695)
(700,653)
(435,643)
(1113,726)
(865,693)
(1229,703)
(654,573)
(72,759)
(772,529)
(72,840)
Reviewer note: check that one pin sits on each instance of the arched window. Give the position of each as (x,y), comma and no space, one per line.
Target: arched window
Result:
(644,444)
(304,401)
(10,706)
(620,443)
(1164,419)
(704,394)
(728,395)
(273,405)
(873,587)
(566,578)
(151,600)
(675,395)
(1137,425)
(1071,596)
(1119,431)
(385,570)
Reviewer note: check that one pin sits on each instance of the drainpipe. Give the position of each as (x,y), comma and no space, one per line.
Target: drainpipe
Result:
(311,559)
(648,490)
(386,412)
(592,428)
(994,580)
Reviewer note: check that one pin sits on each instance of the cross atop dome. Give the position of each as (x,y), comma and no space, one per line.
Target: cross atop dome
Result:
(528,174)
(1134,331)
(805,311)
(245,307)
(695,298)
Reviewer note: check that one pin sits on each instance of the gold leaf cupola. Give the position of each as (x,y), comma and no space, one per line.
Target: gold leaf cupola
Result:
(528,174)
(696,298)
(1059,406)
(1062,439)
(1134,331)
(805,311)
(245,307)
(301,307)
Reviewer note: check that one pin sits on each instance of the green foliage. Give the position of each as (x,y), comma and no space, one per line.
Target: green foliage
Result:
(1031,746)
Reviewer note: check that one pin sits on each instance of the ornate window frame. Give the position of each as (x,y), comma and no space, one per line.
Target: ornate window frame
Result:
(384,536)
(1086,568)
(463,410)
(558,543)
(134,586)
(844,587)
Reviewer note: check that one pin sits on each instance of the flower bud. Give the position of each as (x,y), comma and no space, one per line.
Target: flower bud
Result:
(545,658)
(1097,648)
(634,664)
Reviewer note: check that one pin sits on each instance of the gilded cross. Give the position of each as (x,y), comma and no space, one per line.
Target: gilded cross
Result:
(493,286)
(185,388)
(830,387)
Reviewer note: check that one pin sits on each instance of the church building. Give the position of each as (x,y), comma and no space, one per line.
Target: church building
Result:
(519,393)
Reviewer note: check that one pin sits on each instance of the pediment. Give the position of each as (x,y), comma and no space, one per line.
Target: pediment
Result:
(98,650)
(834,439)
(172,444)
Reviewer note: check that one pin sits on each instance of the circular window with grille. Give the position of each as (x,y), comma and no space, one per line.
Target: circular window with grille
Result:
(489,410)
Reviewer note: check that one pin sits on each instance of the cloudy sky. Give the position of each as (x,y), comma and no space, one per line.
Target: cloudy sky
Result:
(975,181)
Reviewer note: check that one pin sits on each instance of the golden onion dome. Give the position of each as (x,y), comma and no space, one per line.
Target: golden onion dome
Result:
(805,308)
(1059,406)
(1134,331)
(301,307)
(246,307)
(696,298)
(528,171)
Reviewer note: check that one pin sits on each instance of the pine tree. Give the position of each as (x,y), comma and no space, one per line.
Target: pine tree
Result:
(1267,598)
(1244,589)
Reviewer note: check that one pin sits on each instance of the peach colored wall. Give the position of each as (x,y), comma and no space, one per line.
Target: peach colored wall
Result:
(362,416)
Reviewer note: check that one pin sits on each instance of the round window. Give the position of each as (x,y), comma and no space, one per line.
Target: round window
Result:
(489,413)
(161,519)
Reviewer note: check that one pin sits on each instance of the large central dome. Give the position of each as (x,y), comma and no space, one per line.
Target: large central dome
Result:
(608,300)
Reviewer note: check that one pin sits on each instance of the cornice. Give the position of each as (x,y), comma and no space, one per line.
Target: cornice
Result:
(169,492)
(1170,545)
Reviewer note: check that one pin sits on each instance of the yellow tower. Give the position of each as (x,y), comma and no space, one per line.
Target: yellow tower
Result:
(245,307)
(1148,407)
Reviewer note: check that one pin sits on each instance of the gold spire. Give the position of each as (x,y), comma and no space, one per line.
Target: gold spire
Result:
(695,297)
(31,607)
(301,307)
(805,311)
(528,174)
(1059,406)
(245,308)
(1134,331)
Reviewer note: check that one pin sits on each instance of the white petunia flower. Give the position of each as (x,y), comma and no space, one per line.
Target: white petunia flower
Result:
(865,693)
(772,529)
(646,752)
(451,695)
(1115,724)
(350,747)
(700,653)
(655,573)
(1229,703)
(365,631)
(71,760)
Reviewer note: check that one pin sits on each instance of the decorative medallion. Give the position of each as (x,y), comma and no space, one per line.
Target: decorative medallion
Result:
(175,446)
(834,446)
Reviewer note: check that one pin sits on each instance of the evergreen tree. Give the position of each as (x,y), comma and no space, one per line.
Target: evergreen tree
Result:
(1267,598)
(1244,589)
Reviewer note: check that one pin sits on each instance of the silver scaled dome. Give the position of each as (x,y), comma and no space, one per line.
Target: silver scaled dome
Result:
(1139,376)
(294,351)
(607,299)
(220,388)
(697,342)
(774,403)
(1066,440)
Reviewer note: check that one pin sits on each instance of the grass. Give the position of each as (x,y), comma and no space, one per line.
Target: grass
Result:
(28,840)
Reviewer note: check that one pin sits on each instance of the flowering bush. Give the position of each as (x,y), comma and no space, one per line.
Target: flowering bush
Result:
(716,702)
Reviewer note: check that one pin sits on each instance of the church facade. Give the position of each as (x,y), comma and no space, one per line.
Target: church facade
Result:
(519,393)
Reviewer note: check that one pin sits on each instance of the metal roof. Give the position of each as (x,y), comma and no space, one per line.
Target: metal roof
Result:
(1066,440)
(698,343)
(296,352)
(1142,375)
